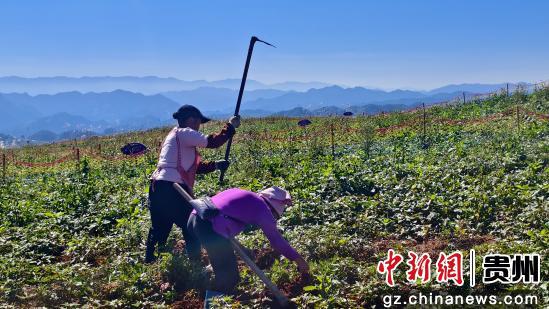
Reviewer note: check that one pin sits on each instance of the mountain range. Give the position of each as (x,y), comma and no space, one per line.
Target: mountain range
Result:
(145,85)
(49,116)
(23,114)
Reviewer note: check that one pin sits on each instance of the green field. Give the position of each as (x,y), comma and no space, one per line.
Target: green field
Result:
(73,234)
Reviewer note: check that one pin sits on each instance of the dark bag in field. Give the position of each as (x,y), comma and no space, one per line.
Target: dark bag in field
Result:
(133,149)
(205,208)
(304,122)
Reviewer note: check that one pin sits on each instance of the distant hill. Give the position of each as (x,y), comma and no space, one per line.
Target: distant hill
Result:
(368,109)
(14,113)
(345,97)
(76,134)
(298,86)
(108,106)
(117,110)
(477,88)
(5,137)
(219,99)
(6,140)
(145,85)
(61,122)
(43,135)
(121,110)
(327,96)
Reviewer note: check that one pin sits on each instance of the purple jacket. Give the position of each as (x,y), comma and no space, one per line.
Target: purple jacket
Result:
(248,208)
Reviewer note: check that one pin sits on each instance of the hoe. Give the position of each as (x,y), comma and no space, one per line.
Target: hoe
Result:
(240,93)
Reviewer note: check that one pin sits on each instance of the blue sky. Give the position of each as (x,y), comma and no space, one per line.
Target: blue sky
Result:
(386,44)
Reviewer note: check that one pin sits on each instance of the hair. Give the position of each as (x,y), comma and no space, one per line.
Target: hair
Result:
(178,115)
(180,120)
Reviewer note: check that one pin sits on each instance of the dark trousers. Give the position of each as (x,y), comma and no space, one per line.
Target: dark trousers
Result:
(220,253)
(167,207)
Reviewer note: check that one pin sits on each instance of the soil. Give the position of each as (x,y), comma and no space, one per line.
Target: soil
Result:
(187,300)
(266,257)
(431,246)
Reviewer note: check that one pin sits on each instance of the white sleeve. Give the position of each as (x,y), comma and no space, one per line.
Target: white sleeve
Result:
(191,138)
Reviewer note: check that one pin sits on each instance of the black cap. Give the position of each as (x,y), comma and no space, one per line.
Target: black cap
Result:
(186,111)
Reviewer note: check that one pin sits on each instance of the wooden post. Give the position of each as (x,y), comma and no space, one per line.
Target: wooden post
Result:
(507,85)
(99,149)
(424,123)
(4,167)
(518,119)
(306,138)
(464,97)
(77,155)
(332,139)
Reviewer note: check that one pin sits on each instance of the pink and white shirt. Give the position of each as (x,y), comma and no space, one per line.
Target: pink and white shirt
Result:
(189,139)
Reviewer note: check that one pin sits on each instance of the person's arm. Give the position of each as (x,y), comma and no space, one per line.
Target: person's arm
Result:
(217,140)
(281,245)
(205,167)
(278,242)
(190,137)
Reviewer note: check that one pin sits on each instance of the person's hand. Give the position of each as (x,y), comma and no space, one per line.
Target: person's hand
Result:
(235,121)
(222,165)
(302,266)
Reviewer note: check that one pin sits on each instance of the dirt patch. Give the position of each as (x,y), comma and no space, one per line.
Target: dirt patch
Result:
(65,257)
(432,246)
(295,287)
(188,299)
(265,257)
(111,290)
(179,247)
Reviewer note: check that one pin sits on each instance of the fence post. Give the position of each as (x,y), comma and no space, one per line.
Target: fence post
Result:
(518,119)
(464,97)
(424,125)
(507,85)
(332,139)
(77,155)
(3,166)
(99,149)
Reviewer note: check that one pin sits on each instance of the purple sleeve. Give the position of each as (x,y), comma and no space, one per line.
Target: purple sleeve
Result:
(277,241)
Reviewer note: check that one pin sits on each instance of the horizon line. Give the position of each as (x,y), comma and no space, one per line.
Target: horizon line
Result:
(328,84)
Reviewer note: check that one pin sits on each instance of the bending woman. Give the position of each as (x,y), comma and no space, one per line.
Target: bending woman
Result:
(238,208)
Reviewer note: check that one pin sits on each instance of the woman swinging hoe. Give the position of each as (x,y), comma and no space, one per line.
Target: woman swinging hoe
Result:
(179,162)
